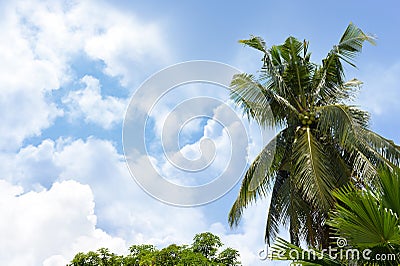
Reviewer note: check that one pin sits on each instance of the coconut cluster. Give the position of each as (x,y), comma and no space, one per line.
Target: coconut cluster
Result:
(308,118)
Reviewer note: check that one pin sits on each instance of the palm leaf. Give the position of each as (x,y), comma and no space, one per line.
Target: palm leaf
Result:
(362,221)
(341,121)
(351,43)
(260,175)
(388,151)
(312,170)
(390,184)
(256,43)
(297,71)
(278,207)
(255,100)
(347,124)
(289,209)
(329,79)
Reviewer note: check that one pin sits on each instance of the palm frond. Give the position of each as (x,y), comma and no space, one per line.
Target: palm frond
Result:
(277,75)
(255,100)
(260,175)
(386,149)
(329,79)
(362,221)
(346,124)
(370,152)
(351,43)
(340,121)
(390,185)
(287,208)
(364,168)
(297,71)
(312,171)
(256,43)
(278,207)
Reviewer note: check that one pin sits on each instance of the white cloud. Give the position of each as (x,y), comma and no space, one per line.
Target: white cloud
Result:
(90,104)
(34,168)
(24,81)
(40,40)
(50,226)
(251,239)
(122,211)
(231,139)
(97,163)
(124,41)
(60,29)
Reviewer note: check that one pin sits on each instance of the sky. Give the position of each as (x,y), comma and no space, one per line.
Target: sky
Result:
(68,71)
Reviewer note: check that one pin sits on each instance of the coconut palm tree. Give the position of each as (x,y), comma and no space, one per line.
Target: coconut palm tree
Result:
(367,219)
(323,142)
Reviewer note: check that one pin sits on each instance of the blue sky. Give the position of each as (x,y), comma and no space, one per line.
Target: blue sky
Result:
(68,70)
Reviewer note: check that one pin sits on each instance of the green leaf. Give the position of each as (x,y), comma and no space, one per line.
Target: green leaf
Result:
(255,100)
(351,42)
(260,175)
(255,42)
(361,219)
(312,170)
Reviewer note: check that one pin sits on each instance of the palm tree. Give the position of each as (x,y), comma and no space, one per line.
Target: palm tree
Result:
(367,219)
(323,142)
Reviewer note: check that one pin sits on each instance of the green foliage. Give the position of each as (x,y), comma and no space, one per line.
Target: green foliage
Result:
(206,244)
(142,254)
(323,144)
(103,257)
(368,220)
(170,255)
(189,257)
(229,257)
(203,251)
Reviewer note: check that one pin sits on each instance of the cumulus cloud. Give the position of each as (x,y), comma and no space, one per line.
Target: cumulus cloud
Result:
(59,30)
(250,239)
(51,225)
(124,41)
(34,168)
(93,107)
(39,42)
(96,163)
(24,81)
(88,171)
(224,141)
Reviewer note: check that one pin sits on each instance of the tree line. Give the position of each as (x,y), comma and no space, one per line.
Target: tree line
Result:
(205,250)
